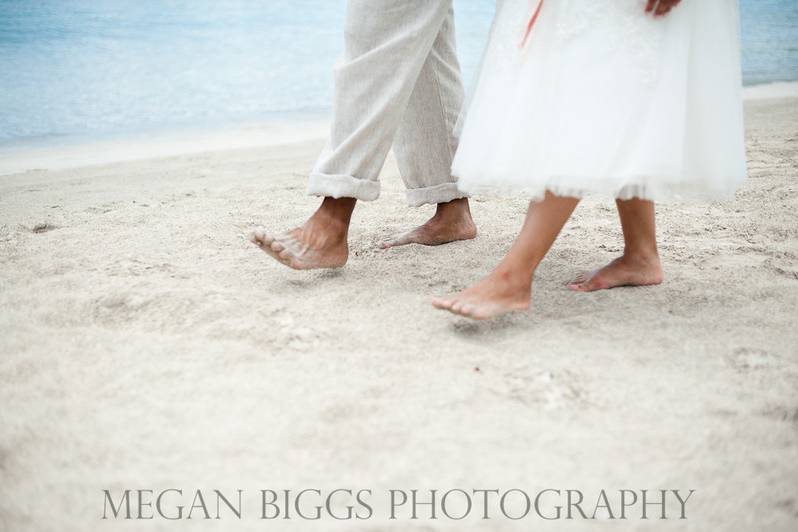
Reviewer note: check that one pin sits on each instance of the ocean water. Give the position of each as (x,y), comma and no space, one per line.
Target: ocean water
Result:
(88,68)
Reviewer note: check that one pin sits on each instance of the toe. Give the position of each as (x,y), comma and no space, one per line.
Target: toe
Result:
(261,238)
(593,284)
(579,287)
(457,307)
(267,239)
(579,279)
(442,303)
(468,310)
(397,241)
(276,246)
(585,282)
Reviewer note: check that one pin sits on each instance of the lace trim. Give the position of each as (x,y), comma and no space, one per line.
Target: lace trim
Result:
(624,26)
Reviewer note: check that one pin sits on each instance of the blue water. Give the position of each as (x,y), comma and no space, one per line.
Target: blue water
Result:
(96,67)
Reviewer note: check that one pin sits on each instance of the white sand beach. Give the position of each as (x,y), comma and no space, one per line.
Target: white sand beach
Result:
(147,344)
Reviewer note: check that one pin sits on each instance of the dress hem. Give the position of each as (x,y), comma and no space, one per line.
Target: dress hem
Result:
(658,193)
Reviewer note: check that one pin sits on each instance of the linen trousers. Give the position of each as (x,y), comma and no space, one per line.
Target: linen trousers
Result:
(398,84)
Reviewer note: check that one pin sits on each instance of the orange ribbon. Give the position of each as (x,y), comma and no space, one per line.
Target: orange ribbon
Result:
(531,23)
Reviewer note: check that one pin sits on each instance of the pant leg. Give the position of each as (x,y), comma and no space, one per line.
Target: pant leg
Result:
(387,42)
(426,141)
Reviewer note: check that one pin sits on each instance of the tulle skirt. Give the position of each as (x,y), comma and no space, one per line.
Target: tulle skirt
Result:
(606,99)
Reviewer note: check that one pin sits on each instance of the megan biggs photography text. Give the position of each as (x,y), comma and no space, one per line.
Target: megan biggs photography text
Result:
(395,504)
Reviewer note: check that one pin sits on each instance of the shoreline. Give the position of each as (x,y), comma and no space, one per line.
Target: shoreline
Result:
(79,151)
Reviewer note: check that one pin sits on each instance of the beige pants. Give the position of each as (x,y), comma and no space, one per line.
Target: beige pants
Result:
(398,84)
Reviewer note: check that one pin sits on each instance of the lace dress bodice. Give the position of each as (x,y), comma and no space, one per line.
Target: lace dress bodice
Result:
(621,26)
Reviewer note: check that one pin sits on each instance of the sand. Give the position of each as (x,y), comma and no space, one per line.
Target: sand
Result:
(146,344)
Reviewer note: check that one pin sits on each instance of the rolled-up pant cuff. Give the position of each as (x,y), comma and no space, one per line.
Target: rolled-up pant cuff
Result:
(343,186)
(441,193)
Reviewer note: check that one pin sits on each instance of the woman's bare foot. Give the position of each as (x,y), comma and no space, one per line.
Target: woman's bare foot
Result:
(498,293)
(452,221)
(320,243)
(509,287)
(627,270)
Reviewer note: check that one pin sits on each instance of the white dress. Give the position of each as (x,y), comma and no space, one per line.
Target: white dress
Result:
(604,98)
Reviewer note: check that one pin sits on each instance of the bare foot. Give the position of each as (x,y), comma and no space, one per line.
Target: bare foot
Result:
(452,221)
(496,294)
(320,243)
(623,271)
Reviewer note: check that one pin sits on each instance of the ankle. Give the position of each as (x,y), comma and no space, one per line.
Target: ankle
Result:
(339,207)
(457,209)
(643,256)
(515,278)
(336,212)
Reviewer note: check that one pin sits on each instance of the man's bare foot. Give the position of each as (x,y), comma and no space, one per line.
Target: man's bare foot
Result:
(627,270)
(496,294)
(320,243)
(452,221)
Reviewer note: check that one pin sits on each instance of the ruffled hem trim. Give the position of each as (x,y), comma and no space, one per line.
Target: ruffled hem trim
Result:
(675,192)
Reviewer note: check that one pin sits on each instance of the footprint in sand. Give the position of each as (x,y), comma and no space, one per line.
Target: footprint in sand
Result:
(783,413)
(43,228)
(545,389)
(783,266)
(114,309)
(285,331)
(751,359)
